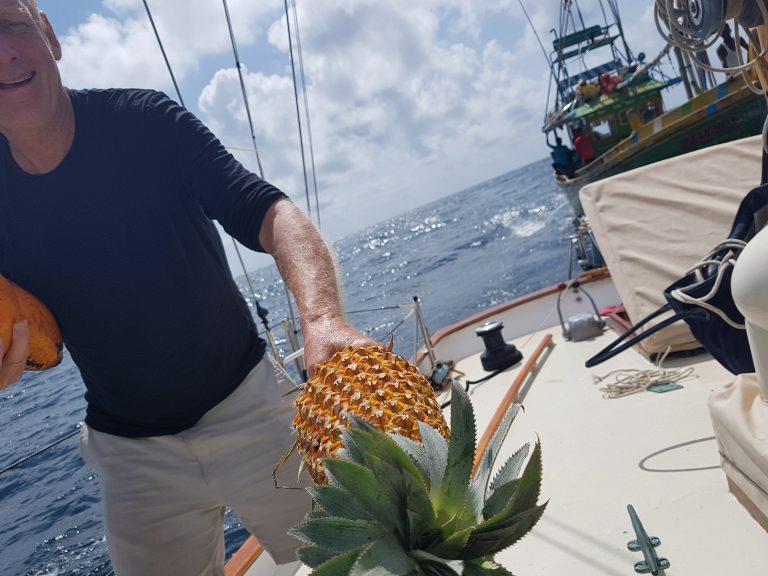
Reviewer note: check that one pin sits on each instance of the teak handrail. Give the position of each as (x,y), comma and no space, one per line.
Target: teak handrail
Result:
(509,399)
(244,558)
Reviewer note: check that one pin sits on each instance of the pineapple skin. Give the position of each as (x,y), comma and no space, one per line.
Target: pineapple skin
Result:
(373,384)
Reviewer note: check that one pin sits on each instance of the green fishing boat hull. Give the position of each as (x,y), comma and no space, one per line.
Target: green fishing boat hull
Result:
(743,120)
(717,124)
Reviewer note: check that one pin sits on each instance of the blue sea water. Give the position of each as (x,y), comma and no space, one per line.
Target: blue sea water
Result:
(485,245)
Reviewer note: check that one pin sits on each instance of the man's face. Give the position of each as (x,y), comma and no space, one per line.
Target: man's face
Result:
(30,85)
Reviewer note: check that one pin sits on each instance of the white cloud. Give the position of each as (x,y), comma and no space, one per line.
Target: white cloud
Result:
(409,100)
(402,112)
(117,47)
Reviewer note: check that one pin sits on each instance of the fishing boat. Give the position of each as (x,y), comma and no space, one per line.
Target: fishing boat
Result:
(616,109)
(642,437)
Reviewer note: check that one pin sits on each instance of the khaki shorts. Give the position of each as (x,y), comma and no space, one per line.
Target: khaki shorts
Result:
(164,496)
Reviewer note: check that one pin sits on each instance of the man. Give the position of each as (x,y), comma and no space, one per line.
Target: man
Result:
(562,158)
(106,201)
(727,49)
(583,145)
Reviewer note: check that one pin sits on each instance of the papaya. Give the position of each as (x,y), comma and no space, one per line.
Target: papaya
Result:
(45,341)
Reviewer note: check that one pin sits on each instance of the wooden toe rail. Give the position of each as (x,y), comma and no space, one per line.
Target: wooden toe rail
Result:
(244,558)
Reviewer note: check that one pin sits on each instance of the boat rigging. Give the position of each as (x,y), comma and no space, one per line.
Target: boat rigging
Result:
(294,43)
(613,113)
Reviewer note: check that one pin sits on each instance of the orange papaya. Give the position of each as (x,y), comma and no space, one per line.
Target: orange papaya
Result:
(45,341)
(9,310)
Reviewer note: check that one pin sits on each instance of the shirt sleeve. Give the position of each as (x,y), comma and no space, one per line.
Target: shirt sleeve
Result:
(228,193)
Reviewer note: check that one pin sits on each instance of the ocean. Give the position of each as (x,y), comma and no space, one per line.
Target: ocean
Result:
(477,248)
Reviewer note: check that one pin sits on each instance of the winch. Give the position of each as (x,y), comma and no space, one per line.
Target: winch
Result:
(498,354)
(580,326)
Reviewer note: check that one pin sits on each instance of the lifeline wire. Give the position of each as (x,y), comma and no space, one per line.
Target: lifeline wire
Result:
(38,452)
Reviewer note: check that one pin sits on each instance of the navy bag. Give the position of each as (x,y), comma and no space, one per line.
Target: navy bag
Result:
(703,298)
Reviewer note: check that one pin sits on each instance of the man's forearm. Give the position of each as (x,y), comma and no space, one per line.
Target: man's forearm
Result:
(304,262)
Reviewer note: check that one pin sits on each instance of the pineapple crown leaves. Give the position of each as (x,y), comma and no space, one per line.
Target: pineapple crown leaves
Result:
(338,502)
(491,453)
(485,567)
(361,482)
(436,448)
(338,534)
(412,506)
(384,557)
(461,450)
(494,541)
(480,484)
(511,468)
(524,496)
(367,440)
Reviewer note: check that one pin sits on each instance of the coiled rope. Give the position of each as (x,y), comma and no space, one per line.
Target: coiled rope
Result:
(621,383)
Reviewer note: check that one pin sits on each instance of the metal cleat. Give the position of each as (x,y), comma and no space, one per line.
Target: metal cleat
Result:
(651,564)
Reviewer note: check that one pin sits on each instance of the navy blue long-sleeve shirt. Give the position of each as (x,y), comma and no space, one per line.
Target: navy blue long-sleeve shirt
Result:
(119,242)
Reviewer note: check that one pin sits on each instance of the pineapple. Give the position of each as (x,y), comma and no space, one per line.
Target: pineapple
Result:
(400,504)
(372,383)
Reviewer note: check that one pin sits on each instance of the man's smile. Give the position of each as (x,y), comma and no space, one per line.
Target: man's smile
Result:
(18,82)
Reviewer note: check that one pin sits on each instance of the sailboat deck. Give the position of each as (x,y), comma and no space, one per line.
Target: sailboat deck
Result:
(654,451)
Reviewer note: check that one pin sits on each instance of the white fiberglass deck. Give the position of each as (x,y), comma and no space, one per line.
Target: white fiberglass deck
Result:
(654,451)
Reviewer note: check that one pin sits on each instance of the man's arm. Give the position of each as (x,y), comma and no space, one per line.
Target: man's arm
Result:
(307,267)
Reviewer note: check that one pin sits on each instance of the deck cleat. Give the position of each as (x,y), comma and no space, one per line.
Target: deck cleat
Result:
(651,564)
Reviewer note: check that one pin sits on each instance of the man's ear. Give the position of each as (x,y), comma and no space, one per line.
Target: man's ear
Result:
(53,42)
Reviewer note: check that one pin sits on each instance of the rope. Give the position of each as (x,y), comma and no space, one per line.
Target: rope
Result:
(631,381)
(298,111)
(723,263)
(165,56)
(38,452)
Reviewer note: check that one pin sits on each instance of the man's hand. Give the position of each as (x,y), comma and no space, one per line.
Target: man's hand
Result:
(325,336)
(13,361)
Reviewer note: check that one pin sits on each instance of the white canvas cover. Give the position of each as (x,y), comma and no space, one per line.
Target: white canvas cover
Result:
(654,223)
(740,421)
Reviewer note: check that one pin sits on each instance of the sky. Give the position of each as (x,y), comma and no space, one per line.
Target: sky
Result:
(409,100)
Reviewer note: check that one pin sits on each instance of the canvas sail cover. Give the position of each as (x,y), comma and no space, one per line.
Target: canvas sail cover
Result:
(654,223)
